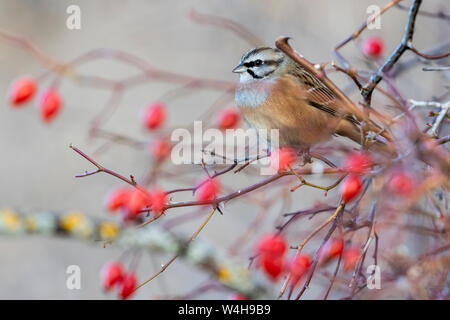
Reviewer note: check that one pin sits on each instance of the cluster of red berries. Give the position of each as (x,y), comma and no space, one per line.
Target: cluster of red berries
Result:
(23,90)
(271,252)
(133,201)
(113,275)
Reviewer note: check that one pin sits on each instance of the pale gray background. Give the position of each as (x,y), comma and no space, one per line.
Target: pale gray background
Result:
(37,167)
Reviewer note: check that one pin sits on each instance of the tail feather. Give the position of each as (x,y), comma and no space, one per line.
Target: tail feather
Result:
(353,132)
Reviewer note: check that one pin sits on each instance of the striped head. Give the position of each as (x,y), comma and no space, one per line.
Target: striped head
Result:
(260,63)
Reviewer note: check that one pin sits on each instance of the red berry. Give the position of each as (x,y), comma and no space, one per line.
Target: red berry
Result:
(350,258)
(282,158)
(401,183)
(350,187)
(272,266)
(158,200)
(332,249)
(238,296)
(335,247)
(22,90)
(137,201)
(111,274)
(128,285)
(298,267)
(160,149)
(357,162)
(271,245)
(50,104)
(228,119)
(118,199)
(373,47)
(208,190)
(154,115)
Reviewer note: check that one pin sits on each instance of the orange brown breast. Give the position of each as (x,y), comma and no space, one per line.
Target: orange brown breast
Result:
(281,105)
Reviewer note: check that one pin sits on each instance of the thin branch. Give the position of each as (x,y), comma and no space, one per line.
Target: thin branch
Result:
(404,45)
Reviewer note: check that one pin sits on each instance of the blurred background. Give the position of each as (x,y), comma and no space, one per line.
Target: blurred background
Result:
(37,168)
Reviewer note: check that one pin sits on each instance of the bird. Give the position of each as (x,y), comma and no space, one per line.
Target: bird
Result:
(276,92)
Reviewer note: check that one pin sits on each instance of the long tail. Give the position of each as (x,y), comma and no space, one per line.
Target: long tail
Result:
(353,132)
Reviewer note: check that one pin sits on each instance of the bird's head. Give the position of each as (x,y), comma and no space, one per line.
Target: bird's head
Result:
(260,63)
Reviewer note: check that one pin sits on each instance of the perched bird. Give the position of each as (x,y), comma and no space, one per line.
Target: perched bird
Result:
(275,92)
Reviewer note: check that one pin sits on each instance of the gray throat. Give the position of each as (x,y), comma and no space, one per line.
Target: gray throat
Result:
(253,93)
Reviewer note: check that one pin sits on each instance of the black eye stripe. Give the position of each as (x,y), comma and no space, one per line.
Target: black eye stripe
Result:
(266,62)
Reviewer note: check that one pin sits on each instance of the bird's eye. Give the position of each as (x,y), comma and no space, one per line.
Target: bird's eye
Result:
(258,62)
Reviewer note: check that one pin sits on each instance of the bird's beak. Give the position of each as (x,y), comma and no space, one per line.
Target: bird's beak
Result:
(239,68)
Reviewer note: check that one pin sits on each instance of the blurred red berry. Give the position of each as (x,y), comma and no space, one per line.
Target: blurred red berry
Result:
(350,187)
(272,266)
(357,162)
(160,149)
(350,258)
(137,201)
(128,285)
(271,245)
(401,183)
(228,118)
(154,115)
(117,199)
(238,296)
(332,249)
(50,104)
(282,158)
(208,190)
(372,47)
(298,267)
(158,200)
(111,274)
(22,90)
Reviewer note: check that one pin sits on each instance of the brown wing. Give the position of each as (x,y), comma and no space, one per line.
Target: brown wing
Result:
(320,97)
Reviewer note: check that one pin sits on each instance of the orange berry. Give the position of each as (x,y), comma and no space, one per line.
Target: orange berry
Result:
(118,199)
(401,183)
(137,201)
(22,90)
(154,115)
(350,187)
(128,285)
(158,200)
(299,266)
(111,274)
(272,244)
(350,258)
(332,249)
(228,118)
(372,47)
(357,162)
(50,104)
(208,190)
(272,266)
(282,158)
(160,149)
